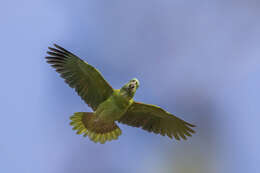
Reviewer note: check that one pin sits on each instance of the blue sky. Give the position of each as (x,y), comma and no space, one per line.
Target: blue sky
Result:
(198,60)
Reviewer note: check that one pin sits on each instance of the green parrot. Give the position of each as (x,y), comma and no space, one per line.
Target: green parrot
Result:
(111,105)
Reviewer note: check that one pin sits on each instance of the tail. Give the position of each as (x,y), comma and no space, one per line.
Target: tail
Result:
(96,130)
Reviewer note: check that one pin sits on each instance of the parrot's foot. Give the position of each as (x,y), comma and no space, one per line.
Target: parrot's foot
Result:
(97,130)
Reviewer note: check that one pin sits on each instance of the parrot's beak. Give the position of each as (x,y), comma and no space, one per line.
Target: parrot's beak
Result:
(131,86)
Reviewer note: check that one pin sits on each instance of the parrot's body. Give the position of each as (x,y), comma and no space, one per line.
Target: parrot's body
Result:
(110,104)
(114,107)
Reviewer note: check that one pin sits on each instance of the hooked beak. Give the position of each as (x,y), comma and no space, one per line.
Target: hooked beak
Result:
(131,86)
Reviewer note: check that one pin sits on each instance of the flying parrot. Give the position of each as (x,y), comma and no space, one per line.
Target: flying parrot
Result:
(111,105)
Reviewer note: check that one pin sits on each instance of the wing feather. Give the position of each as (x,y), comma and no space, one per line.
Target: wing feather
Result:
(154,119)
(87,81)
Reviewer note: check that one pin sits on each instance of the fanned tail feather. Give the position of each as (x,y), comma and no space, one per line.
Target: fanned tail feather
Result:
(97,131)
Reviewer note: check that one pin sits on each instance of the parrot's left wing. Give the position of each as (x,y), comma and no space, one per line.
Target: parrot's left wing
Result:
(87,81)
(154,119)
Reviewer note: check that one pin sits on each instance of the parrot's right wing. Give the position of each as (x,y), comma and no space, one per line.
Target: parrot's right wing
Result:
(87,81)
(154,119)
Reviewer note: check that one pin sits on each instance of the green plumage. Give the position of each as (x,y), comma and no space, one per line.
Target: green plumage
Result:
(111,105)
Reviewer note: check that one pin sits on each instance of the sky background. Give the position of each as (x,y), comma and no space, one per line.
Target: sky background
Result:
(197,59)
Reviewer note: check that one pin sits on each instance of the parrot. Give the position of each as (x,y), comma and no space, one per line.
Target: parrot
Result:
(111,105)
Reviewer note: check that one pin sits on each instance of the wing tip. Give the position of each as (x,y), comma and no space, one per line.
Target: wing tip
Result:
(62,49)
(49,52)
(56,45)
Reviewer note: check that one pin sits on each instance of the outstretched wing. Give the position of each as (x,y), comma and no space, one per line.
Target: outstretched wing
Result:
(87,81)
(154,119)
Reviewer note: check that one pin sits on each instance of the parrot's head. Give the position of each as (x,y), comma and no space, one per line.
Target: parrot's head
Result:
(131,87)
